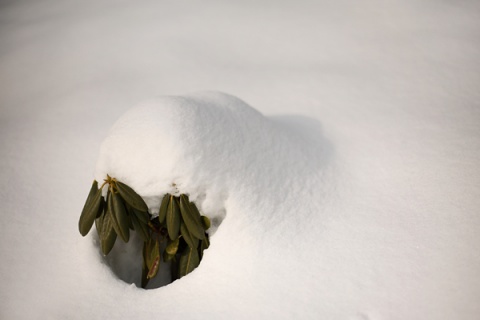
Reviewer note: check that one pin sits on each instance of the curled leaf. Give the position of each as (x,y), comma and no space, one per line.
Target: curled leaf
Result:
(153,258)
(153,270)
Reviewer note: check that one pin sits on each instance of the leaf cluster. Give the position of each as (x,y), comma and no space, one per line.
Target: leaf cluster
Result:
(179,227)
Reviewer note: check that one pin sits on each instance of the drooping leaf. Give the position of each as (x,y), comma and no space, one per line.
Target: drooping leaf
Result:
(120,216)
(131,197)
(140,227)
(173,218)
(152,272)
(154,260)
(102,207)
(206,222)
(162,214)
(151,248)
(130,223)
(108,234)
(141,216)
(195,211)
(191,218)
(188,237)
(172,247)
(99,223)
(90,209)
(189,260)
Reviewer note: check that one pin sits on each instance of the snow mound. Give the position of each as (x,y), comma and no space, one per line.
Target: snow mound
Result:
(230,159)
(208,145)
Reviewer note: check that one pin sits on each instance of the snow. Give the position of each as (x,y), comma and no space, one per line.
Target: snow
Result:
(352,193)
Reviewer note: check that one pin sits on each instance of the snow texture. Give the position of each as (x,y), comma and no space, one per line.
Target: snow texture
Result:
(352,193)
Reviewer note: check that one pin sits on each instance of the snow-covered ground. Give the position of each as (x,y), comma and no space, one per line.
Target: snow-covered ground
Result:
(354,193)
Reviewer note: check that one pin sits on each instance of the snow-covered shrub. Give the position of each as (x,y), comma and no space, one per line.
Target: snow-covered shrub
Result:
(179,227)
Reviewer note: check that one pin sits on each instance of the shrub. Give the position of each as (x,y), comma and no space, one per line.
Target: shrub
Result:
(178,225)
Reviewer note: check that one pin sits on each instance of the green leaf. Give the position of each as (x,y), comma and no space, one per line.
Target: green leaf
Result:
(172,247)
(108,234)
(140,227)
(173,218)
(162,214)
(141,215)
(154,260)
(120,217)
(90,209)
(102,207)
(131,197)
(130,223)
(191,218)
(206,222)
(99,223)
(152,247)
(189,260)
(187,236)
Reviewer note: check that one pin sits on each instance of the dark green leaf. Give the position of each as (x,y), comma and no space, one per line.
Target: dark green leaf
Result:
(152,272)
(173,218)
(140,227)
(189,260)
(191,218)
(102,207)
(130,223)
(187,236)
(120,216)
(131,197)
(90,209)
(99,223)
(154,260)
(162,214)
(108,234)
(142,216)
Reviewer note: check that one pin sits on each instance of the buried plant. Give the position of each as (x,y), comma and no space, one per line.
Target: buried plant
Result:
(179,227)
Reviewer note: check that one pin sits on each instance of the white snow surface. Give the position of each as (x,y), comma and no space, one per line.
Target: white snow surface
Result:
(350,190)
